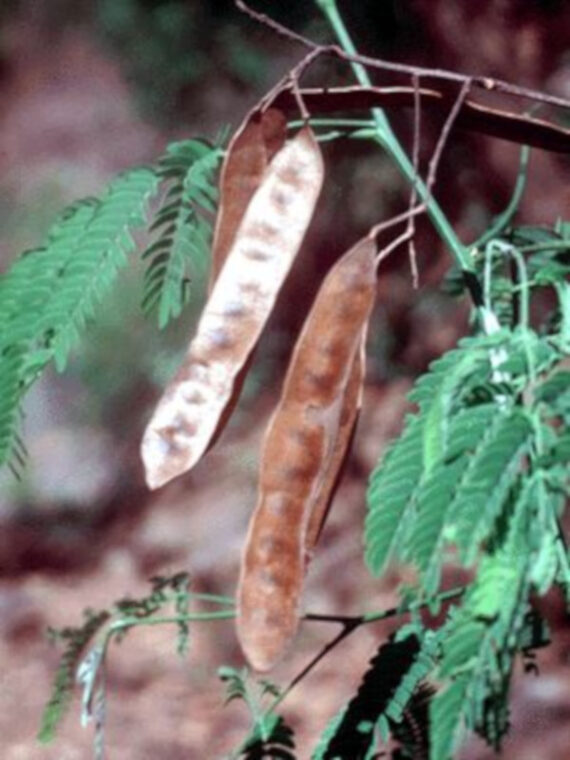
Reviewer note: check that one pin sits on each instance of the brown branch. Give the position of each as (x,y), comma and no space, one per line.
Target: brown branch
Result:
(485,83)
(278,28)
(396,243)
(506,125)
(403,217)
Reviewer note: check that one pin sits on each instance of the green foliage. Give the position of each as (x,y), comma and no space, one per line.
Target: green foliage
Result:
(269,736)
(386,689)
(75,641)
(182,226)
(85,648)
(479,476)
(488,484)
(50,294)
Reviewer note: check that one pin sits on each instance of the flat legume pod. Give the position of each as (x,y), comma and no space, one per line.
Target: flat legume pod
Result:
(300,451)
(239,305)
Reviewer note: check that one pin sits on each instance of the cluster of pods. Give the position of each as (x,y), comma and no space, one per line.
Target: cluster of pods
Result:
(269,187)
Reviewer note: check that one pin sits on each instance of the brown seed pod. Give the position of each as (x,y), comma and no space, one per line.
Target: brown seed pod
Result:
(300,453)
(330,478)
(240,303)
(248,155)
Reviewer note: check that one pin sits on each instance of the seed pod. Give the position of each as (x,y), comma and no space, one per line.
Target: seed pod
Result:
(240,303)
(249,153)
(247,158)
(351,405)
(300,451)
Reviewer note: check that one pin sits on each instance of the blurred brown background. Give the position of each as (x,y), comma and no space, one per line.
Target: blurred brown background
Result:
(88,88)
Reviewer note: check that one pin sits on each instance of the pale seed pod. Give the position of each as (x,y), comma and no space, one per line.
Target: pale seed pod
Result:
(249,153)
(264,248)
(300,451)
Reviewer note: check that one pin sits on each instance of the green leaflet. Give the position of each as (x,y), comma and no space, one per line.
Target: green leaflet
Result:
(27,288)
(391,497)
(423,664)
(420,474)
(451,368)
(328,734)
(279,743)
(450,372)
(98,254)
(76,640)
(554,394)
(445,718)
(491,473)
(269,736)
(436,494)
(49,293)
(545,565)
(481,638)
(11,376)
(184,233)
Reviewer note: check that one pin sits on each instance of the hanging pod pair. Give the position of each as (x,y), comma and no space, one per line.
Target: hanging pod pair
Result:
(269,189)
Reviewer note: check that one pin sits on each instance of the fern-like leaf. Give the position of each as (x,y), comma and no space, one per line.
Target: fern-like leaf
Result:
(279,744)
(183,226)
(11,383)
(436,494)
(412,732)
(445,718)
(422,665)
(49,293)
(76,640)
(34,278)
(492,472)
(405,472)
(391,497)
(554,395)
(436,392)
(96,259)
(353,736)
(480,640)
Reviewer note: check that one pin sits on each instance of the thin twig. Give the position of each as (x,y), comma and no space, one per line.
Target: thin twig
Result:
(446,129)
(414,193)
(349,625)
(291,81)
(396,243)
(485,83)
(278,28)
(403,217)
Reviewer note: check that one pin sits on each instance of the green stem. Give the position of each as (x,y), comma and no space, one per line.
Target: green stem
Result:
(324,122)
(555,245)
(503,220)
(131,622)
(389,141)
(214,598)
